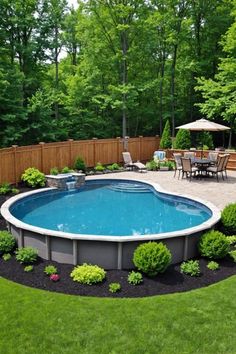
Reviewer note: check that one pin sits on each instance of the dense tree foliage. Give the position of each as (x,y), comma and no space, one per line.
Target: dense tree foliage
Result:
(113,68)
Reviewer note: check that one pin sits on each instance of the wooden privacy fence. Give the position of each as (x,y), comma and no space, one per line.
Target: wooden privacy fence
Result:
(44,156)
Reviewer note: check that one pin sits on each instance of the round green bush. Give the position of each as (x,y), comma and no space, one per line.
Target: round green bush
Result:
(33,177)
(228,219)
(152,258)
(7,242)
(213,245)
(26,254)
(88,274)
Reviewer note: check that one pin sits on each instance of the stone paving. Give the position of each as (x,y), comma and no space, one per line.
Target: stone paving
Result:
(219,193)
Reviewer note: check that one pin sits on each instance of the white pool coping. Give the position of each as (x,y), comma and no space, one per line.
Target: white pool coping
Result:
(216,214)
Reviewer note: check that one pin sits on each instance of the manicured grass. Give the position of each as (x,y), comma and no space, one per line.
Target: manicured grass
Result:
(200,321)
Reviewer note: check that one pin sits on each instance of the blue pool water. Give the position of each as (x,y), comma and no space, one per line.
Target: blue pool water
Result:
(110,208)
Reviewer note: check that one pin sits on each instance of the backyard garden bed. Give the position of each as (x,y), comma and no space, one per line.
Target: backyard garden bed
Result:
(171,281)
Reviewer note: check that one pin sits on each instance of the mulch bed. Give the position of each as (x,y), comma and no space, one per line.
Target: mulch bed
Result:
(171,281)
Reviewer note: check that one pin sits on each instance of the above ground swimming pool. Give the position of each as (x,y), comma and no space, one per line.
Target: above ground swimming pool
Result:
(103,221)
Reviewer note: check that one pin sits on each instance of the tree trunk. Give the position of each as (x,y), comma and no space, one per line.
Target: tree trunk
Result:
(124,82)
(56,108)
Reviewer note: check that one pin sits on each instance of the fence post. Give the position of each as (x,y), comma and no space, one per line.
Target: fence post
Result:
(94,152)
(157,141)
(14,147)
(140,147)
(70,152)
(118,149)
(42,156)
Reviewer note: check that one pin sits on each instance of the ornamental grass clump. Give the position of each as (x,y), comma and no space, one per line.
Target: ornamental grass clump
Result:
(152,258)
(88,274)
(26,255)
(214,245)
(7,242)
(33,177)
(228,219)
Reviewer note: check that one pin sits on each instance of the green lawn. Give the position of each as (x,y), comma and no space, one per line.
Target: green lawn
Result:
(201,321)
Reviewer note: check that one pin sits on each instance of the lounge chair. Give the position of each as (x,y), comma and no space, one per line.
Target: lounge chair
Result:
(133,165)
(187,168)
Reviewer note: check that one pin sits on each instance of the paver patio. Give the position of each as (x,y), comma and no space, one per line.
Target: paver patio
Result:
(219,193)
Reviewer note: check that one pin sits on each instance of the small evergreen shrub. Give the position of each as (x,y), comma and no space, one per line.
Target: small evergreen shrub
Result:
(168,164)
(191,268)
(228,219)
(28,268)
(99,167)
(114,287)
(213,265)
(26,255)
(213,244)
(135,278)
(233,255)
(33,177)
(152,165)
(80,164)
(88,274)
(182,140)
(15,191)
(166,142)
(152,258)
(6,257)
(7,242)
(50,269)
(5,188)
(113,167)
(66,170)
(54,171)
(231,239)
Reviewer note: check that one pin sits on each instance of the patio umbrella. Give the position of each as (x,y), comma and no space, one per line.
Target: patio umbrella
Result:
(202,125)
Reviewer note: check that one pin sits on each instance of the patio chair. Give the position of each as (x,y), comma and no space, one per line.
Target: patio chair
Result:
(189,154)
(213,156)
(219,167)
(187,168)
(226,156)
(178,163)
(133,165)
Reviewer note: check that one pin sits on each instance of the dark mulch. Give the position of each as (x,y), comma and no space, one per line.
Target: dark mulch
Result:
(171,281)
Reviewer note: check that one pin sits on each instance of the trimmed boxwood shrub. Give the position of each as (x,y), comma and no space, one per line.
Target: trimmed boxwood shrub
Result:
(88,274)
(7,242)
(228,219)
(26,254)
(213,245)
(152,258)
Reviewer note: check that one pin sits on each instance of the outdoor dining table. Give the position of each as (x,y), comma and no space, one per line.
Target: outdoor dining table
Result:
(202,165)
